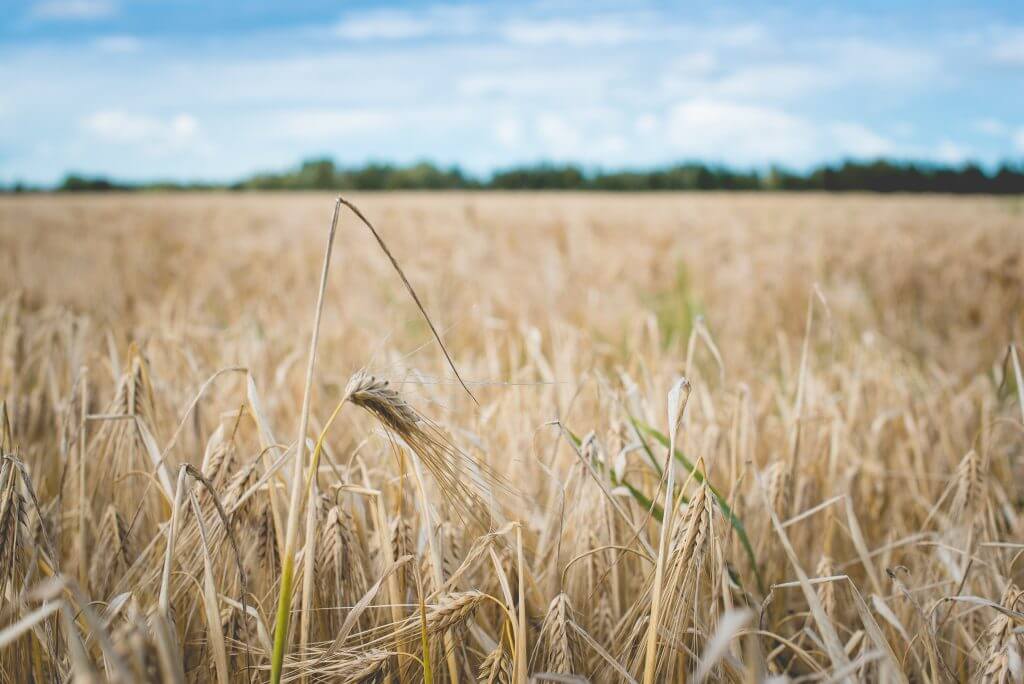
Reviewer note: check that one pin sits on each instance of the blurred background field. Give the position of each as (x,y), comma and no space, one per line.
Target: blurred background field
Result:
(930,273)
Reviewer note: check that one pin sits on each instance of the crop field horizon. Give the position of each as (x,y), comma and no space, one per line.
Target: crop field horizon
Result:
(668,437)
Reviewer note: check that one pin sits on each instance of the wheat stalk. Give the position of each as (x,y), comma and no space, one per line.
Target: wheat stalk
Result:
(678,396)
(295,502)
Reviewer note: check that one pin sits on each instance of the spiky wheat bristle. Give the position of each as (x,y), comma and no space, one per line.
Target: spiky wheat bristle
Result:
(557,638)
(453,609)
(970,484)
(496,668)
(379,398)
(13,528)
(460,478)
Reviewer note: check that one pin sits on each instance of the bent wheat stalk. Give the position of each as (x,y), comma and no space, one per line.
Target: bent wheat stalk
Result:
(296,498)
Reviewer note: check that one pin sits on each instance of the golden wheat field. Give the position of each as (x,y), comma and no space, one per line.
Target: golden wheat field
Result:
(835,492)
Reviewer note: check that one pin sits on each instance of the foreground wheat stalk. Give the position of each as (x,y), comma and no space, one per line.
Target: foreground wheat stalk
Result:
(281,622)
(678,396)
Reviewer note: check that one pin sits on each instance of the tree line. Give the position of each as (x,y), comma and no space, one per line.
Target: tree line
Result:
(871,176)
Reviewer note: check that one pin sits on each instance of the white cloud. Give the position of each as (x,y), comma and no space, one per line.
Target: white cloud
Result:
(991,126)
(694,63)
(1018,139)
(772,81)
(741,133)
(73,9)
(902,129)
(118,44)
(646,124)
(1008,48)
(950,152)
(489,85)
(865,61)
(584,135)
(736,36)
(393,24)
(321,124)
(860,141)
(558,134)
(609,148)
(383,25)
(508,131)
(605,32)
(739,35)
(123,128)
(564,84)
(688,74)
(184,126)
(816,69)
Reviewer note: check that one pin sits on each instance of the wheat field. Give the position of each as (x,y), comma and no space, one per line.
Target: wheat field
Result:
(834,493)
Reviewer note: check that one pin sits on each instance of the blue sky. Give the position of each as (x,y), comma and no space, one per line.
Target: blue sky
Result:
(214,90)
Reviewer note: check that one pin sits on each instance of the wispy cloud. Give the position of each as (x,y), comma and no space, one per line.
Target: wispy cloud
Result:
(399,24)
(508,131)
(991,126)
(73,10)
(1002,132)
(557,82)
(719,130)
(558,134)
(885,63)
(1007,47)
(321,124)
(738,132)
(600,31)
(383,25)
(772,81)
(859,141)
(113,126)
(951,152)
(118,44)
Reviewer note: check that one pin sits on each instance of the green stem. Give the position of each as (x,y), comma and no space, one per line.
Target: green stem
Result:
(655,509)
(281,622)
(737,524)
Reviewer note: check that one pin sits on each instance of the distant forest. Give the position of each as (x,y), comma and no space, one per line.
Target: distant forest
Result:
(324,174)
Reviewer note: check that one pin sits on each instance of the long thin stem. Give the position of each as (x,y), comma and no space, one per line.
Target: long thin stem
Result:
(83,557)
(295,503)
(650,660)
(677,399)
(308,561)
(435,562)
(172,530)
(412,293)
